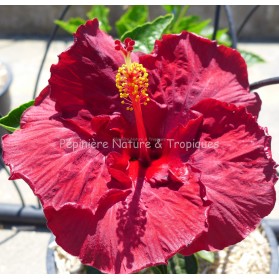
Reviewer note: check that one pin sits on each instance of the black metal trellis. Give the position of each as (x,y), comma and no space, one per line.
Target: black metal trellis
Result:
(246,19)
(51,38)
(231,25)
(265,82)
(216,21)
(37,213)
(14,183)
(24,213)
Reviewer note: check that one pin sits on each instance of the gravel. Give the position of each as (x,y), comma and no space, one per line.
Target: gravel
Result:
(252,255)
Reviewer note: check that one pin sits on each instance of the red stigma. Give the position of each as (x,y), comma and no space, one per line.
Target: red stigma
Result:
(126,47)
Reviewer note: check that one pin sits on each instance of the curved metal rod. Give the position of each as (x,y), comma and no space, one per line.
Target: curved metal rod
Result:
(14,183)
(39,203)
(52,36)
(231,26)
(216,21)
(264,82)
(9,237)
(246,19)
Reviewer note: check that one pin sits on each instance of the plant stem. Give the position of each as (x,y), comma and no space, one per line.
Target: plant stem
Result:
(182,13)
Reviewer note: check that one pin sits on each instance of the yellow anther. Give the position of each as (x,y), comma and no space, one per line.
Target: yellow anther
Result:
(132,83)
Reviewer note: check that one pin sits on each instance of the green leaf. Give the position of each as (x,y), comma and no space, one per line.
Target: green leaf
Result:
(206,255)
(71,25)
(174,9)
(184,24)
(102,14)
(159,269)
(162,268)
(146,34)
(176,264)
(11,121)
(92,270)
(191,264)
(135,16)
(199,26)
(251,58)
(222,36)
(178,12)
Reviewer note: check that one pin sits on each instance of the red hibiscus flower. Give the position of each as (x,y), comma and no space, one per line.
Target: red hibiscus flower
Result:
(200,177)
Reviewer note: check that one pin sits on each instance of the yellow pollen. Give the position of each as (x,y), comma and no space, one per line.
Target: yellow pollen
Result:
(132,83)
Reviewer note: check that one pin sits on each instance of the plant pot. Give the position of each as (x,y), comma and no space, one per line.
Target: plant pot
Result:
(5,100)
(274,265)
(50,261)
(274,262)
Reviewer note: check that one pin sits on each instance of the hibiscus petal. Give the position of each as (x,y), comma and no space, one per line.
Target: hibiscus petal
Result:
(179,140)
(104,207)
(57,164)
(237,172)
(84,78)
(117,165)
(143,229)
(85,73)
(184,69)
(111,229)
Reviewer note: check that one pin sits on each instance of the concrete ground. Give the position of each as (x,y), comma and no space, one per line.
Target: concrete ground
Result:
(23,251)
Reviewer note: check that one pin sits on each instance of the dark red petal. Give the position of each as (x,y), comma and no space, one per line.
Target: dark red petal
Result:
(83,81)
(111,229)
(110,128)
(154,116)
(73,223)
(142,229)
(85,73)
(180,139)
(117,165)
(184,69)
(59,167)
(237,172)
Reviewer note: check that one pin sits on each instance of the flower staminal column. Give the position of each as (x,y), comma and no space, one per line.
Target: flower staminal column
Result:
(132,83)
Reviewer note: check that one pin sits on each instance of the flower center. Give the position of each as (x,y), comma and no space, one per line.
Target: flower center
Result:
(131,78)
(132,83)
